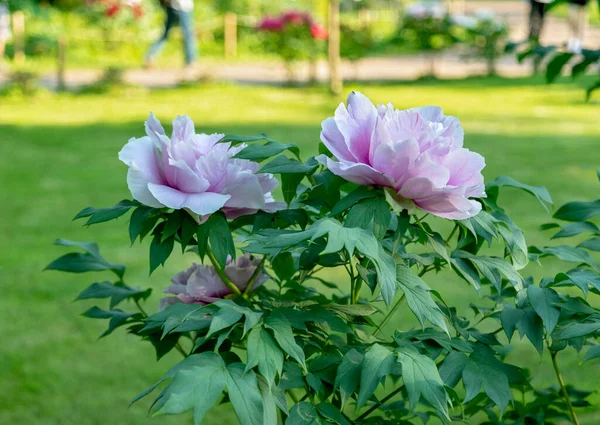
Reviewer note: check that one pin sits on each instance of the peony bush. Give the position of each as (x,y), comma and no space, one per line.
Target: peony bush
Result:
(288,311)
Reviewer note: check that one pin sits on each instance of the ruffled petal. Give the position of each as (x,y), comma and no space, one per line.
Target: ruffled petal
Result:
(183,128)
(138,186)
(357,124)
(156,132)
(334,140)
(395,160)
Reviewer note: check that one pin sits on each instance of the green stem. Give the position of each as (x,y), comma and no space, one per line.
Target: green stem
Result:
(451,234)
(380,403)
(389,315)
(254,277)
(141,309)
(221,272)
(562,386)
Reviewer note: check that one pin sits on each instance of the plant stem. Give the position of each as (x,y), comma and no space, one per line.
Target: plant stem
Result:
(141,309)
(451,234)
(389,315)
(221,272)
(562,386)
(254,277)
(379,403)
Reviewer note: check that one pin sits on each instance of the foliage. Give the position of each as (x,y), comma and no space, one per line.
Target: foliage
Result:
(484,35)
(357,40)
(301,336)
(561,61)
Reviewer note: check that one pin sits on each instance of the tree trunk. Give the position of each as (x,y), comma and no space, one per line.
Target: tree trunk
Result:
(335,76)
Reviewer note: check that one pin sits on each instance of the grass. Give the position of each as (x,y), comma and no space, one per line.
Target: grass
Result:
(58,154)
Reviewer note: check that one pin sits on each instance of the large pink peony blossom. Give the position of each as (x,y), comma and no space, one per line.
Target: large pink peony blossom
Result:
(417,153)
(202,285)
(194,172)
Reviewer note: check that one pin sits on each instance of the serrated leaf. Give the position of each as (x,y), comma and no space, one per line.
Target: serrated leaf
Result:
(422,379)
(452,368)
(567,253)
(377,363)
(491,267)
(264,352)
(516,244)
(543,301)
(116,318)
(370,214)
(222,319)
(348,201)
(418,298)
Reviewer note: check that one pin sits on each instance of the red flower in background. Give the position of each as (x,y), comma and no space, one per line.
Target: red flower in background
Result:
(137,10)
(318,31)
(112,10)
(271,24)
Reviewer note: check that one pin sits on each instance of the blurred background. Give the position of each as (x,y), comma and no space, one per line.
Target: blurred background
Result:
(78,79)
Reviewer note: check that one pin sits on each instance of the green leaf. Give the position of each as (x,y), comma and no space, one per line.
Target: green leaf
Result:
(528,323)
(100,215)
(273,397)
(264,352)
(172,224)
(540,192)
(422,379)
(491,267)
(516,244)
(573,229)
(484,369)
(593,244)
(340,238)
(160,250)
(357,195)
(80,263)
(303,413)
(578,211)
(543,301)
(116,318)
(452,368)
(329,411)
(377,363)
(282,330)
(257,152)
(116,293)
(283,266)
(575,331)
(222,319)
(588,92)
(221,241)
(348,374)
(592,353)
(245,395)
(196,385)
(554,67)
(138,219)
(289,186)
(567,253)
(285,165)
(418,297)
(370,214)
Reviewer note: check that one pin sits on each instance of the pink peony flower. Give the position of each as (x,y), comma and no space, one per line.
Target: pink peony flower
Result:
(417,153)
(271,24)
(296,18)
(194,172)
(201,285)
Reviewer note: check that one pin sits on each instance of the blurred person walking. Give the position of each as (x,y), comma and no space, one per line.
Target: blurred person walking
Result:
(178,12)
(577,19)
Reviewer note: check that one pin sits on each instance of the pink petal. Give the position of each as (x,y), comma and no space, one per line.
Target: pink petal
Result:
(334,140)
(141,157)
(199,203)
(183,128)
(356,173)
(396,159)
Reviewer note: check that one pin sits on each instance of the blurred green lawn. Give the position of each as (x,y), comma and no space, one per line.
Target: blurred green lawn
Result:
(58,154)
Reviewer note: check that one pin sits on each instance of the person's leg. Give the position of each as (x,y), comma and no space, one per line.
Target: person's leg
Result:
(158,45)
(190,44)
(536,20)
(577,19)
